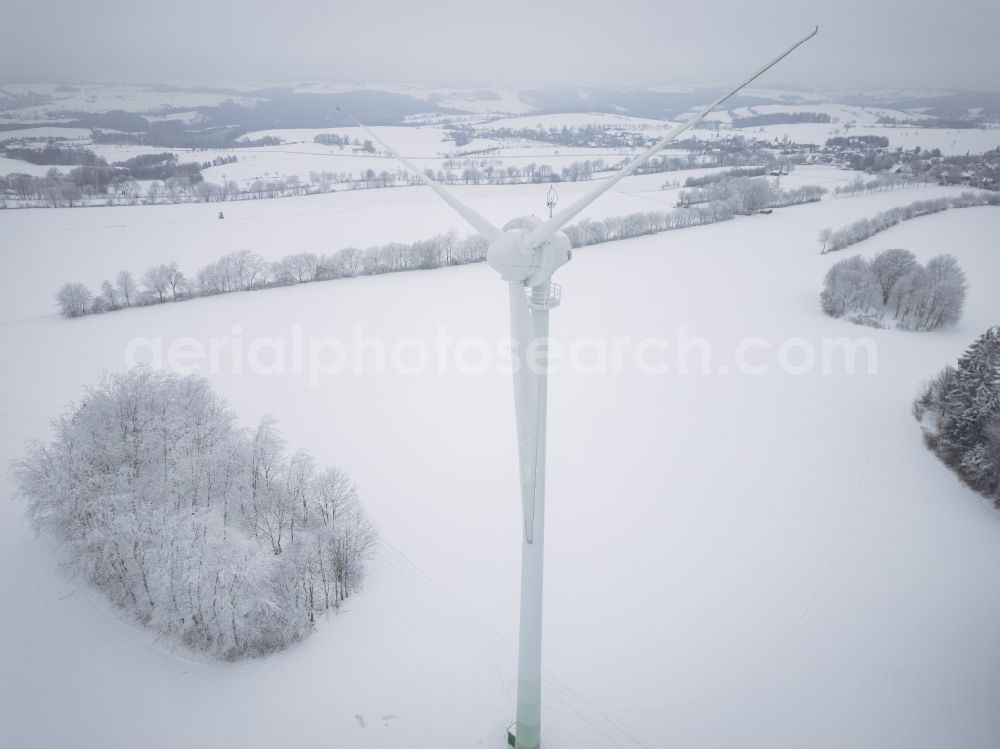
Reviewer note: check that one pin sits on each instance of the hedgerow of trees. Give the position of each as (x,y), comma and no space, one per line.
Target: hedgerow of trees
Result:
(247,271)
(781,118)
(880,183)
(959,412)
(707,179)
(749,194)
(94,179)
(858,141)
(212,535)
(894,286)
(832,241)
(54,154)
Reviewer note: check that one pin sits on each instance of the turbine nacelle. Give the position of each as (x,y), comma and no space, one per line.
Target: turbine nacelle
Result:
(511,255)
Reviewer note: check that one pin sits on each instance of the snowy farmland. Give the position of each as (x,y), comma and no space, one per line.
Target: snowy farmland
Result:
(431,144)
(763,561)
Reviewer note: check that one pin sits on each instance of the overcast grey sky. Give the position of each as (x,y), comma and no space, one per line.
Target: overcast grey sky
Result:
(862,43)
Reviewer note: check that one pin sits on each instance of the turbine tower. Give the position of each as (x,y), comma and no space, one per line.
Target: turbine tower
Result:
(526,252)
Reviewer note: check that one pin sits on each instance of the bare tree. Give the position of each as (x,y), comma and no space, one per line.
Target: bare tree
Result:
(110,295)
(175,279)
(127,288)
(156,280)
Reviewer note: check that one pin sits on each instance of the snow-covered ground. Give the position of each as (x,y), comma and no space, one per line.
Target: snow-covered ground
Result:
(17,166)
(106,240)
(733,560)
(430,144)
(951,142)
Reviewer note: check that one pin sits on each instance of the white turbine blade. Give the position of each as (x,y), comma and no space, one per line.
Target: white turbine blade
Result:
(475,219)
(554,224)
(526,403)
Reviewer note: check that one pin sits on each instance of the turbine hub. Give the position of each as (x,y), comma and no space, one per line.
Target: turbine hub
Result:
(510,255)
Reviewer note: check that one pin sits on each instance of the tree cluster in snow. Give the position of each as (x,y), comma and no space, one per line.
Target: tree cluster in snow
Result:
(960,415)
(707,179)
(832,241)
(749,194)
(880,183)
(210,534)
(894,285)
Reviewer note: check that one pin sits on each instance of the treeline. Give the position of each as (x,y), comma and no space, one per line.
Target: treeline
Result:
(959,413)
(173,134)
(212,535)
(949,123)
(332,139)
(247,271)
(780,118)
(748,195)
(893,283)
(880,183)
(613,228)
(80,186)
(53,154)
(831,240)
(586,136)
(708,179)
(94,179)
(858,141)
(164,166)
(735,151)
(480,172)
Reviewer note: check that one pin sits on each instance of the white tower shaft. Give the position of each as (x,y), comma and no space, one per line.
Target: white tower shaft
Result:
(530,330)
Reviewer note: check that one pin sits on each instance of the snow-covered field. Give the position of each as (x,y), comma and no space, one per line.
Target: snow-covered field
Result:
(951,142)
(106,240)
(429,145)
(733,560)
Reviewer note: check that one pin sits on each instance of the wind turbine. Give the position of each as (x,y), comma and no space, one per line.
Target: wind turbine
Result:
(526,252)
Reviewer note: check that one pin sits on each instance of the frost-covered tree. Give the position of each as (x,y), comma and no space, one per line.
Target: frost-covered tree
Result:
(205,532)
(847,287)
(888,267)
(110,295)
(74,299)
(298,268)
(175,279)
(157,282)
(128,289)
(946,293)
(894,283)
(960,414)
(824,239)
